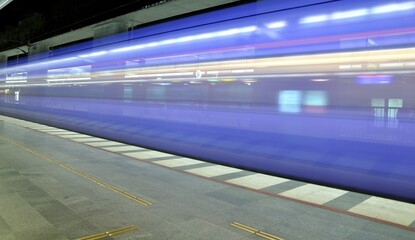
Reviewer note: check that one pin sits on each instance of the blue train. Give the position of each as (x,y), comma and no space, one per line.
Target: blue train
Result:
(321,91)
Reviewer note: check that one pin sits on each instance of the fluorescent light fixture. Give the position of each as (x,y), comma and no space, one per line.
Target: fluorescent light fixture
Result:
(349,14)
(4,3)
(394,7)
(223,33)
(279,24)
(314,19)
(93,54)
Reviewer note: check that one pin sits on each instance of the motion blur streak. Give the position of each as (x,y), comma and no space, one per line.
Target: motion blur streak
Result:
(316,92)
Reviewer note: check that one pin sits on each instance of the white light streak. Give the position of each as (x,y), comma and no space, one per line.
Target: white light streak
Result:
(161,74)
(391,65)
(275,25)
(59,60)
(93,54)
(320,80)
(350,66)
(242,71)
(223,33)
(4,3)
(349,14)
(393,7)
(17,81)
(314,19)
(67,79)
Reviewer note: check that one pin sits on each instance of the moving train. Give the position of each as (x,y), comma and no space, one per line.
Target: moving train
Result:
(320,91)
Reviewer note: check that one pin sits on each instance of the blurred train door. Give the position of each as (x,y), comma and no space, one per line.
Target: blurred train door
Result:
(386,112)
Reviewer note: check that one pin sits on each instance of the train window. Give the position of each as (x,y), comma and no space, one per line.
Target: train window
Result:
(378,105)
(128,93)
(156,92)
(315,101)
(392,108)
(289,101)
(16,95)
(394,104)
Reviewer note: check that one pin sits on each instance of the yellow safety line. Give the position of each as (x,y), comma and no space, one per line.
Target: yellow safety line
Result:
(255,231)
(93,179)
(109,233)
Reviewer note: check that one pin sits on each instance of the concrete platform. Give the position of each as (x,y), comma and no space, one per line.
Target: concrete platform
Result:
(56,184)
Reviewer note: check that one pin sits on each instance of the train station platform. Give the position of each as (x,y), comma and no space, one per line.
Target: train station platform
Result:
(58,184)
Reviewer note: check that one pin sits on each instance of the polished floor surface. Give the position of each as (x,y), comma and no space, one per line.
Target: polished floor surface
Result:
(57,184)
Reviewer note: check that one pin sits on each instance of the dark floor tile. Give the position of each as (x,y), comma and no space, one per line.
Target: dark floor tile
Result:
(44,233)
(285,186)
(160,158)
(233,175)
(347,201)
(36,197)
(234,196)
(79,229)
(21,185)
(8,172)
(4,227)
(57,213)
(199,165)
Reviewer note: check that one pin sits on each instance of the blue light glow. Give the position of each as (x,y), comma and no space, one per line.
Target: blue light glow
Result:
(394,7)
(223,33)
(93,54)
(374,79)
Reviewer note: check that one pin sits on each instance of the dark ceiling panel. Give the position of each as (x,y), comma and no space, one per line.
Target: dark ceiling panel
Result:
(25,21)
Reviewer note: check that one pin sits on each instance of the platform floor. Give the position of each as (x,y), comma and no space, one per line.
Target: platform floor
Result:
(57,184)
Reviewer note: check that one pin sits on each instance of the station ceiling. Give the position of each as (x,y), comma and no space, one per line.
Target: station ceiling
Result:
(22,20)
(25,22)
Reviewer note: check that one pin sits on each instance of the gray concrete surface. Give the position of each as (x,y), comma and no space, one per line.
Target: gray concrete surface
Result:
(41,200)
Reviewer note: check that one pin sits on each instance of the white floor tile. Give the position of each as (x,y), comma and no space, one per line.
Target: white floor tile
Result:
(55,131)
(87,139)
(178,162)
(314,193)
(386,209)
(41,128)
(73,136)
(104,143)
(257,181)
(213,171)
(59,132)
(124,148)
(148,154)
